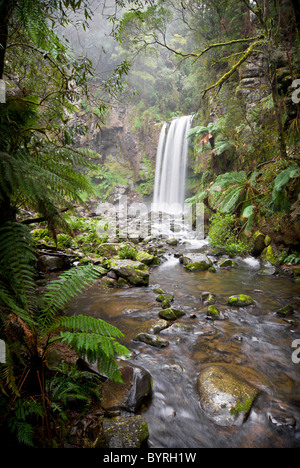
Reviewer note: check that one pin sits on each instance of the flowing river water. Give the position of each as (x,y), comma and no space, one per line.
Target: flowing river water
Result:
(254,341)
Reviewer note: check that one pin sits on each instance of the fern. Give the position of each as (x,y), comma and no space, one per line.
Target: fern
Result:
(17,259)
(59,292)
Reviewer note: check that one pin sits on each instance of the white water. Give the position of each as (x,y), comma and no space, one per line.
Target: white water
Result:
(169,187)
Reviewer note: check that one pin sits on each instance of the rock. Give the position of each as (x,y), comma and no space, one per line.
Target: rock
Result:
(280,419)
(214,313)
(123,432)
(240,301)
(228,263)
(296,272)
(109,250)
(267,270)
(208,298)
(134,272)
(165,299)
(286,311)
(196,262)
(158,327)
(269,256)
(172,241)
(53,262)
(145,257)
(224,396)
(129,395)
(152,340)
(258,242)
(171,314)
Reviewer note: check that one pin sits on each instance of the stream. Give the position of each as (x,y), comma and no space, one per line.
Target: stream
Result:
(253,340)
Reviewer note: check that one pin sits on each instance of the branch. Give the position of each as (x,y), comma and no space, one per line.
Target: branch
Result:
(42,52)
(197,55)
(227,75)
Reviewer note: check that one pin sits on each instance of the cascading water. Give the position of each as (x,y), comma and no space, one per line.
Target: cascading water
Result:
(169,187)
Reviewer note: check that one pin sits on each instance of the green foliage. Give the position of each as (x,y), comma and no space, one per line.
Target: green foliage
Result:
(279,196)
(35,325)
(128,252)
(224,233)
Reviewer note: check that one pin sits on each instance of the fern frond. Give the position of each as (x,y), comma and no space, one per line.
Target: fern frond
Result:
(59,292)
(17,259)
(88,324)
(97,348)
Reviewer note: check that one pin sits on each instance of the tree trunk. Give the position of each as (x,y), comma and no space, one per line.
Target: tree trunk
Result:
(6,8)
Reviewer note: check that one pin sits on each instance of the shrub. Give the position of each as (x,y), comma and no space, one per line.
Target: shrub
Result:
(224,233)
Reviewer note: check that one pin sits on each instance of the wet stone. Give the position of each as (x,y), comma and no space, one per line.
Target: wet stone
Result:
(152,340)
(224,396)
(123,432)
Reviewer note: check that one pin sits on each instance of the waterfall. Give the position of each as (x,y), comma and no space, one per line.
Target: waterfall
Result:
(169,185)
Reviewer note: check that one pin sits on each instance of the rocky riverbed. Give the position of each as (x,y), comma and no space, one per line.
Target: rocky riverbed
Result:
(211,346)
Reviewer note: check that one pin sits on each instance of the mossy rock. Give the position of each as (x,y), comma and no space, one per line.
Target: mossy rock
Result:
(269,256)
(145,257)
(152,340)
(171,314)
(214,313)
(109,250)
(165,300)
(196,262)
(286,311)
(258,243)
(241,301)
(228,263)
(134,272)
(172,241)
(208,298)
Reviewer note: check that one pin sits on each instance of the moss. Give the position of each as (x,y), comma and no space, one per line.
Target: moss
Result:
(213,312)
(242,407)
(241,300)
(268,255)
(198,266)
(171,314)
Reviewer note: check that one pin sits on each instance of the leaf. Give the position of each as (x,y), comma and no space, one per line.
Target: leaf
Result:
(279,199)
(248,211)
(224,180)
(228,204)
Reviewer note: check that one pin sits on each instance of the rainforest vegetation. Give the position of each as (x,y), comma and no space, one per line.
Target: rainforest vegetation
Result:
(233,64)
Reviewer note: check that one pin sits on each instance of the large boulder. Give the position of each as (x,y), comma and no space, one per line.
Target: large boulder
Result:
(196,262)
(129,395)
(224,396)
(133,271)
